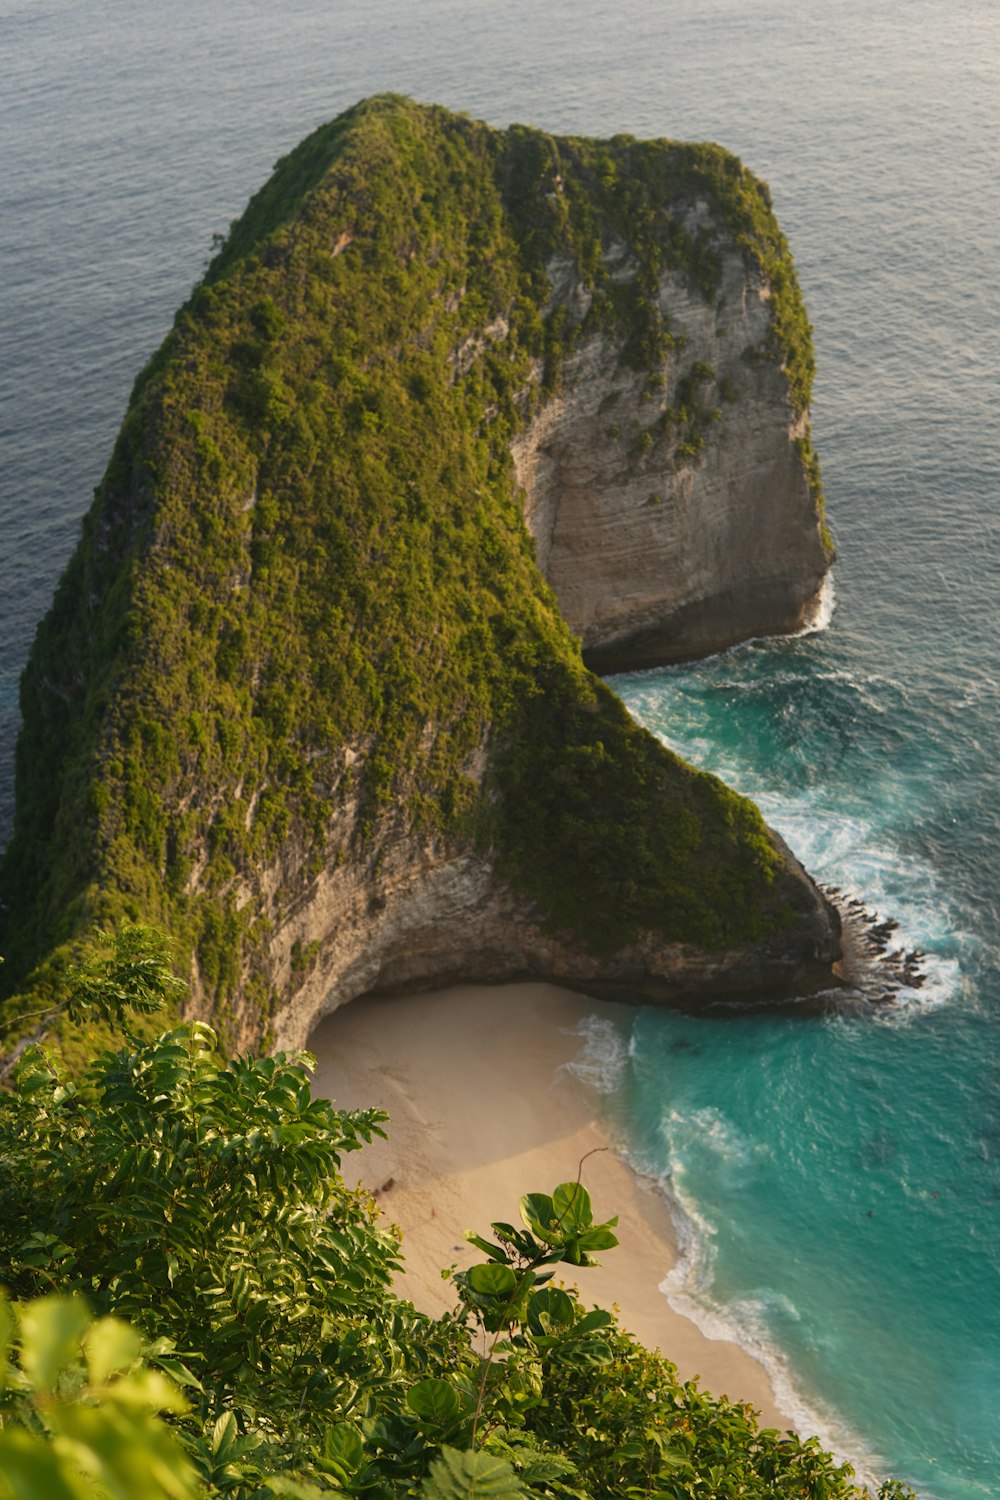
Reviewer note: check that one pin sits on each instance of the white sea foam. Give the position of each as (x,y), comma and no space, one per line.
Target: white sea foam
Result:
(821,608)
(747,1322)
(603,1057)
(852,854)
(853,851)
(712,1131)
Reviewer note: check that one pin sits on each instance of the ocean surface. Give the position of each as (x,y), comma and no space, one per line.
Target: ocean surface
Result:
(837,1182)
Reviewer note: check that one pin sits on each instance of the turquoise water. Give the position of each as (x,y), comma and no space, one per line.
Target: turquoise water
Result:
(840,1180)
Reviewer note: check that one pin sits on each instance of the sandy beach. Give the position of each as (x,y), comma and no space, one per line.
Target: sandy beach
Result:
(481,1111)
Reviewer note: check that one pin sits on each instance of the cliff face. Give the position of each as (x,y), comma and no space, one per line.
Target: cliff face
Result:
(304,696)
(674,517)
(429,915)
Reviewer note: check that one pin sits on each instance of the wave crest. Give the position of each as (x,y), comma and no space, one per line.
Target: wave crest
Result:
(604,1056)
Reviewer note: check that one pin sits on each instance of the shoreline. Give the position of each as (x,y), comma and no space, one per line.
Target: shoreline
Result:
(482,1110)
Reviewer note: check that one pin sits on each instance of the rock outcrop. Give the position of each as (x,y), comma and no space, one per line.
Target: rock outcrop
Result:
(304,696)
(675,517)
(431,916)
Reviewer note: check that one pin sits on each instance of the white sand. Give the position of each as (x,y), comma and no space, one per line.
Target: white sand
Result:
(481,1114)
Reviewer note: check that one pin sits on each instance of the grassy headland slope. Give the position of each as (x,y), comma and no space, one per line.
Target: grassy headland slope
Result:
(303,696)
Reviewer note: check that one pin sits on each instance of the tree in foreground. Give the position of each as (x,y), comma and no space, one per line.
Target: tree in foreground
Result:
(201,1200)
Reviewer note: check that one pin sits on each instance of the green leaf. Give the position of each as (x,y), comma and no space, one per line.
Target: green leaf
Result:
(7,1327)
(179,1371)
(597,1239)
(553,1305)
(295,1489)
(224,1435)
(344,1446)
(545,1468)
(492,1280)
(493,1251)
(434,1401)
(470,1476)
(146,1390)
(599,1318)
(572,1207)
(51,1330)
(537,1213)
(110,1346)
(127,1455)
(30,1469)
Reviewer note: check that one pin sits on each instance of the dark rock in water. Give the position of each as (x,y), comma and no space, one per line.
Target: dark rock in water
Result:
(874,973)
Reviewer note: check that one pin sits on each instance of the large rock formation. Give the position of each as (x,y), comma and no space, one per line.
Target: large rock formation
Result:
(304,696)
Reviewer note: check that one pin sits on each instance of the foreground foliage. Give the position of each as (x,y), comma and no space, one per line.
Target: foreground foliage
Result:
(80,1415)
(201,1199)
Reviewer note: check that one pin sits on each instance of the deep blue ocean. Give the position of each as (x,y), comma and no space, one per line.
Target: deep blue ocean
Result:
(837,1182)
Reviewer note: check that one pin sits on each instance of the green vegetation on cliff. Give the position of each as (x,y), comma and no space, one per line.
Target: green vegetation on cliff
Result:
(305,599)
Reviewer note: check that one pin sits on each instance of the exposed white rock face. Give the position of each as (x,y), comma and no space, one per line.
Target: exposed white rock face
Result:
(656,552)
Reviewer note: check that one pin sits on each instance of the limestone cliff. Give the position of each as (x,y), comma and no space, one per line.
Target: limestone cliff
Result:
(431,915)
(674,517)
(304,696)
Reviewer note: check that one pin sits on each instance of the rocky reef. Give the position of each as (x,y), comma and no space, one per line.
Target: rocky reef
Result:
(456,415)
